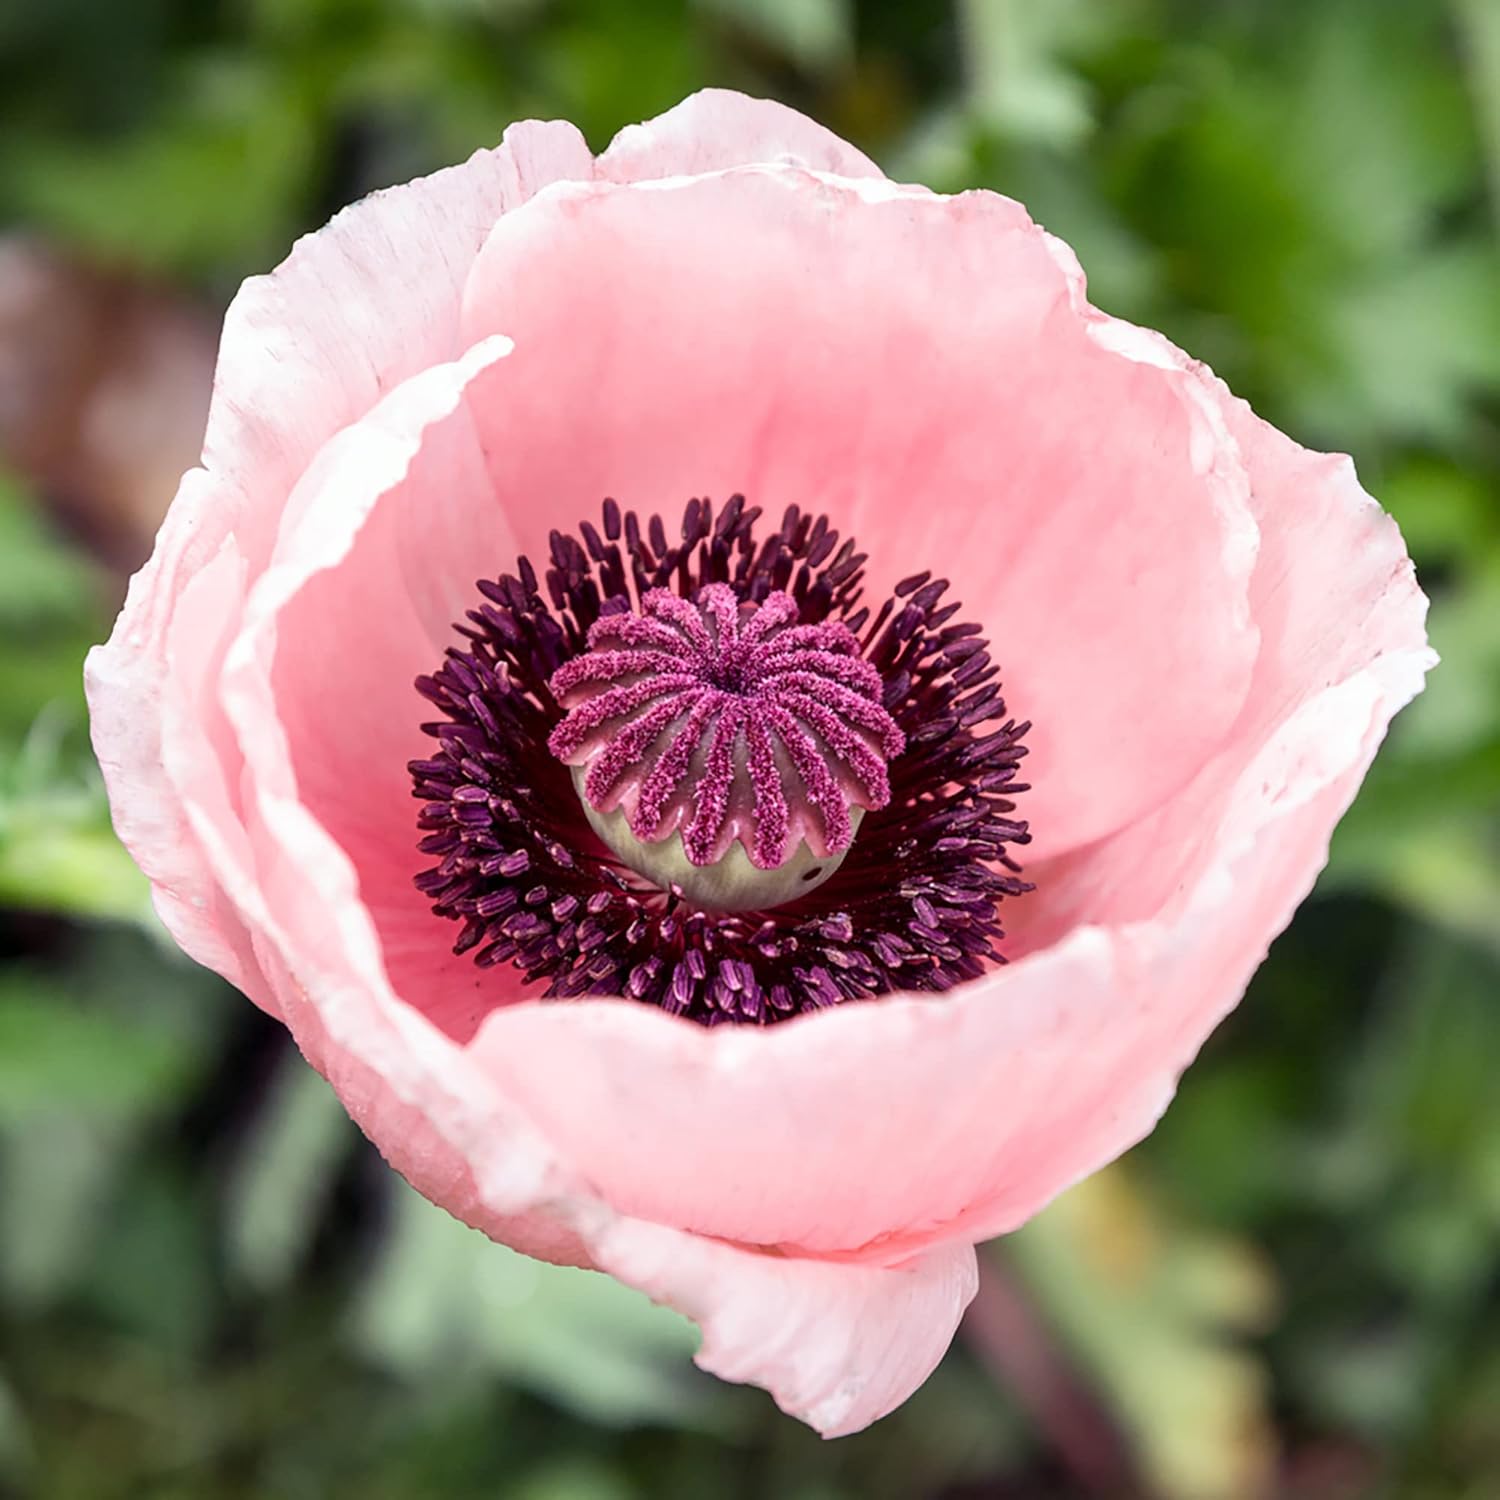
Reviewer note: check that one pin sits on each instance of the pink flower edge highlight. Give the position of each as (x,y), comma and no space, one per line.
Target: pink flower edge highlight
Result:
(825,1249)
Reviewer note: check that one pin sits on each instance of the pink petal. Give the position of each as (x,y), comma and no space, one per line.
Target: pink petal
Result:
(202,764)
(298,891)
(1336,598)
(373,563)
(295,935)
(837,1345)
(493,1176)
(899,359)
(355,308)
(959,1117)
(925,370)
(717,128)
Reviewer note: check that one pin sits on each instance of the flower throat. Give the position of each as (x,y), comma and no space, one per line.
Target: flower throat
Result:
(703,774)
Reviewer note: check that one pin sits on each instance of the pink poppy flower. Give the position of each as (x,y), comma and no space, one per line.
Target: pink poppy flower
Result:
(710,759)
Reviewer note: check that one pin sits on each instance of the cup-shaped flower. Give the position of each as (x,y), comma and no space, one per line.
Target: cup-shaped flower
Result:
(579,544)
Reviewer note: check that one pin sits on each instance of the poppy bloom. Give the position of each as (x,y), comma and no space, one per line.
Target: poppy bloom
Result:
(747,729)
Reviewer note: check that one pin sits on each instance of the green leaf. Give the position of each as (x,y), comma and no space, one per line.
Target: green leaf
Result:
(16,1455)
(1018,82)
(58,1172)
(49,615)
(157,1280)
(573,1479)
(814,34)
(1148,1305)
(58,852)
(443,1299)
(1445,512)
(60,1055)
(213,180)
(91,1052)
(284,1175)
(1413,343)
(42,581)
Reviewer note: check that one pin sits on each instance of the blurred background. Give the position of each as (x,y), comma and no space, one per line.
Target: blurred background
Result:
(211,1289)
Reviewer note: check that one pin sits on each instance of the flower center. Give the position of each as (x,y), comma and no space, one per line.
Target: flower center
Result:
(652,762)
(722,748)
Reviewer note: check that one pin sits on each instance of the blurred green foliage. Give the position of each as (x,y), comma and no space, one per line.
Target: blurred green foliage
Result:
(209,1289)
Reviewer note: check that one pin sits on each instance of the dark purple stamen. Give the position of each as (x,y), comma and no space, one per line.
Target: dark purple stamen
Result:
(726,719)
(899,707)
